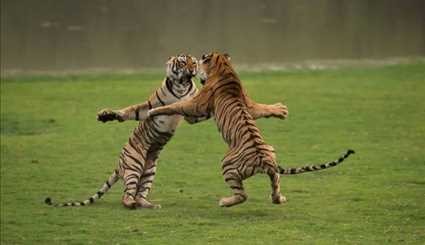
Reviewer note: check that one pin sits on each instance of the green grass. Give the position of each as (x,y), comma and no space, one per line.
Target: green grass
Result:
(51,145)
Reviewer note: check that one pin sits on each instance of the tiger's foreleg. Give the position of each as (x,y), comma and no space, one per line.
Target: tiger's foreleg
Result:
(185,108)
(262,110)
(136,112)
(145,185)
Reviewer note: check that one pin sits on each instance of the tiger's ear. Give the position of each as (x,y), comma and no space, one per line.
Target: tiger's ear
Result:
(169,59)
(227,56)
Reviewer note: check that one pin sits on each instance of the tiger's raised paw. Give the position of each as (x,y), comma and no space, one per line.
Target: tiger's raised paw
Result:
(279,110)
(109,115)
(143,203)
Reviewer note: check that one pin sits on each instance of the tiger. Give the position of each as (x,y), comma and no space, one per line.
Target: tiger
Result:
(223,98)
(138,159)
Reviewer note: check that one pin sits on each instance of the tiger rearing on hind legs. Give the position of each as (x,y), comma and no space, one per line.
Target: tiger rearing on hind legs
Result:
(223,98)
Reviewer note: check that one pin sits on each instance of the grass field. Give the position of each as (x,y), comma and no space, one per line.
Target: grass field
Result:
(52,145)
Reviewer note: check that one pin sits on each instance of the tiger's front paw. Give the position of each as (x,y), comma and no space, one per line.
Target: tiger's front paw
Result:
(279,110)
(109,115)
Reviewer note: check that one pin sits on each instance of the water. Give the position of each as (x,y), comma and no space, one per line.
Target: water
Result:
(60,35)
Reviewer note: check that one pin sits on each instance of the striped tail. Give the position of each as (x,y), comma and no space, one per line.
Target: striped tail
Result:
(310,168)
(106,186)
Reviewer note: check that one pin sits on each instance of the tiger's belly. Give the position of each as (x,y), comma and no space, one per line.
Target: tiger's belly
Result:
(167,124)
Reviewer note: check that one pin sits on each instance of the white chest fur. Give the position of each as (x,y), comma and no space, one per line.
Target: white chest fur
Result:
(164,123)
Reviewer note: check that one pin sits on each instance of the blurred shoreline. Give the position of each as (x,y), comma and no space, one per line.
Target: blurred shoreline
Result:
(307,65)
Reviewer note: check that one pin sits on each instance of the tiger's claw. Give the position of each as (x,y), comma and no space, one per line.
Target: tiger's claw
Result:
(280,110)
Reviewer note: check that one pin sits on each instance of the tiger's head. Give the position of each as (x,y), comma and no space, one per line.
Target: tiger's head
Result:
(182,68)
(213,63)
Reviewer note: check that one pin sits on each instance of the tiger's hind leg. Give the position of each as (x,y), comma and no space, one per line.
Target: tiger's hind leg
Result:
(145,185)
(277,197)
(131,180)
(234,181)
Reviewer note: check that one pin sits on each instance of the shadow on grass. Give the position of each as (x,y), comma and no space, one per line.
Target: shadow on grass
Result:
(13,125)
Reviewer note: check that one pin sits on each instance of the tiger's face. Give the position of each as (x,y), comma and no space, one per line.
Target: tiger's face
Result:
(209,63)
(182,68)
